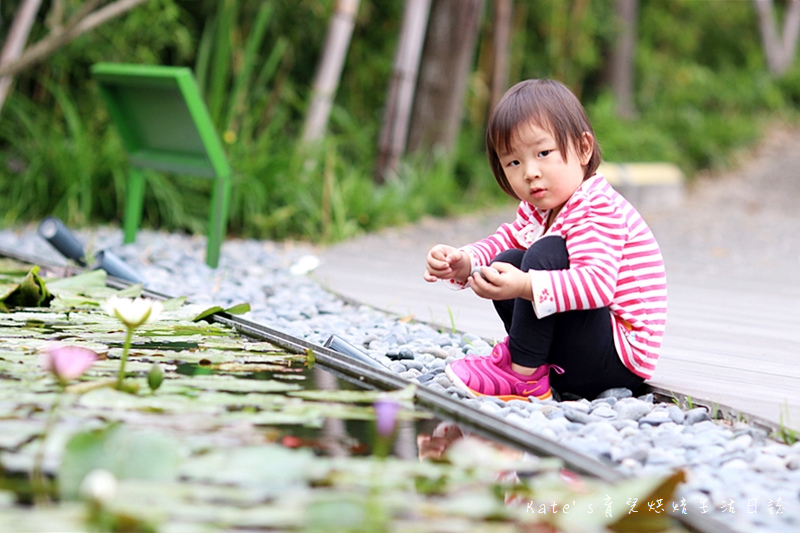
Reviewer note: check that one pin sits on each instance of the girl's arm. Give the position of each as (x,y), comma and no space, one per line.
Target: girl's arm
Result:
(520,234)
(595,233)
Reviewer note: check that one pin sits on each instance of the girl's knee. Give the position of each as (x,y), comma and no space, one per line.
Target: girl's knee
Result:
(512,257)
(548,253)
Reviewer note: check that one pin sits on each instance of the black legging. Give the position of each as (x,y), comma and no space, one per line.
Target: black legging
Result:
(580,342)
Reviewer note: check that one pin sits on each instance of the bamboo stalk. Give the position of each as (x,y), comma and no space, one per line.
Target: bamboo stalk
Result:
(397,112)
(15,42)
(501,39)
(444,75)
(77,26)
(329,70)
(622,67)
(778,49)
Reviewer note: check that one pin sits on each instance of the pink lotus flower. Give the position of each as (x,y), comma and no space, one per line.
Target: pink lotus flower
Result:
(67,362)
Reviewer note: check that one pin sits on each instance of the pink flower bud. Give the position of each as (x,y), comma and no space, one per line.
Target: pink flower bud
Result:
(67,362)
(386,415)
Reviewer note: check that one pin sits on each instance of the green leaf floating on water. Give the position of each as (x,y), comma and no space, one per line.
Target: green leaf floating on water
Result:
(30,292)
(79,284)
(126,453)
(173,303)
(269,467)
(238,309)
(352,396)
(86,289)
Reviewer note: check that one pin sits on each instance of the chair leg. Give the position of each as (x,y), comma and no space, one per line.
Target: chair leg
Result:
(218,218)
(134,204)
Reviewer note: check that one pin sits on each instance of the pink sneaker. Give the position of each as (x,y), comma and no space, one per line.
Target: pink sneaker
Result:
(492,376)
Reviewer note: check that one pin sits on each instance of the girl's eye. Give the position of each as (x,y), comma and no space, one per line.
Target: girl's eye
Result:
(545,153)
(512,163)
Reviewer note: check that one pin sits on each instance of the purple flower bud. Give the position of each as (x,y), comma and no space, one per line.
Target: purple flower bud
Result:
(67,362)
(386,415)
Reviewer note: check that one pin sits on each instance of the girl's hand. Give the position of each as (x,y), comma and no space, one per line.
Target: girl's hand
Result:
(446,262)
(501,281)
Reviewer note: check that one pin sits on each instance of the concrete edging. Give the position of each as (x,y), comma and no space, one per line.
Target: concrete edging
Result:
(648,186)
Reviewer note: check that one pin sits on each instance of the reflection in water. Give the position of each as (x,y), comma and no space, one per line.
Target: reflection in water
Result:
(404,446)
(434,445)
(334,433)
(446,435)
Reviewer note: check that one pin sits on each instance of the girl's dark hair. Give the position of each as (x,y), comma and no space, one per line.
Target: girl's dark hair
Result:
(551,106)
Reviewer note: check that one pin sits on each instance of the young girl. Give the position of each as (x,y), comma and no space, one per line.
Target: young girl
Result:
(577,279)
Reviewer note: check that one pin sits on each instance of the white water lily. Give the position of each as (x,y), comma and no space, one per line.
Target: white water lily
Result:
(133,312)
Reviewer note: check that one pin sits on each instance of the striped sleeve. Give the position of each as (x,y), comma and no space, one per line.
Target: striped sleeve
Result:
(595,235)
(519,234)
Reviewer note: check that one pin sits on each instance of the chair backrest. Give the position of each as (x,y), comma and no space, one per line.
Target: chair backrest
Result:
(165,126)
(162,118)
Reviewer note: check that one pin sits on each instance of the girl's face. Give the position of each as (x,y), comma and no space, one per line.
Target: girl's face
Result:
(539,173)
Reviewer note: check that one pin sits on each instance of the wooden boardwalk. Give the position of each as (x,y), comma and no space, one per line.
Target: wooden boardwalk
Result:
(730,341)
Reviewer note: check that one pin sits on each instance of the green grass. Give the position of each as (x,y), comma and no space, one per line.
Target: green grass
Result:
(784,433)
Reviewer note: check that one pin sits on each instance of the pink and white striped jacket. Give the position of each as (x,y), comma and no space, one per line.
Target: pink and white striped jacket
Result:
(615,262)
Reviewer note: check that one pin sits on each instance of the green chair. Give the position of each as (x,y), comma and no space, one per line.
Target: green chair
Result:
(164,125)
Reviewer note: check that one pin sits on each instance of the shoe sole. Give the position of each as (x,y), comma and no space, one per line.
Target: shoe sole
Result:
(459,383)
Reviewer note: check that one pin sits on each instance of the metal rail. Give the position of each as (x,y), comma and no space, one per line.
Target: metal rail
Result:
(369,376)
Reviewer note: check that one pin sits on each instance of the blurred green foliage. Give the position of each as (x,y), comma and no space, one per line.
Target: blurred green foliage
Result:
(702,91)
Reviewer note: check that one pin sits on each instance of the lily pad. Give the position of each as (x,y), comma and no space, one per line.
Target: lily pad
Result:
(15,433)
(231,384)
(126,453)
(268,466)
(78,284)
(238,309)
(107,398)
(351,396)
(64,517)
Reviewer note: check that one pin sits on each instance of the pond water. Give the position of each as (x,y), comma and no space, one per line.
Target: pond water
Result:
(335,436)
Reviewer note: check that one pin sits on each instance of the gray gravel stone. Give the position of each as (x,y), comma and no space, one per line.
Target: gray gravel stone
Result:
(656,417)
(609,402)
(578,405)
(632,408)
(425,378)
(769,463)
(436,387)
(576,415)
(742,442)
(411,364)
(698,414)
(410,374)
(605,412)
(443,381)
(676,414)
(616,393)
